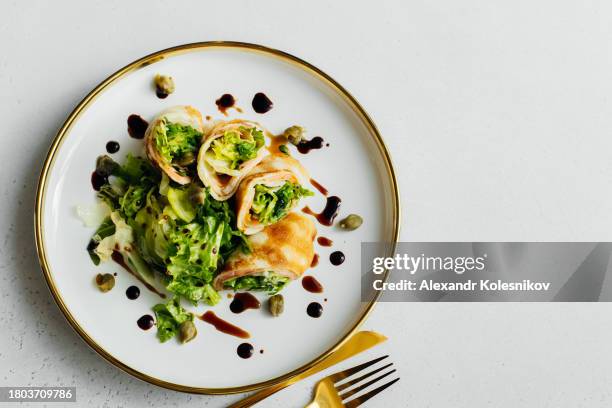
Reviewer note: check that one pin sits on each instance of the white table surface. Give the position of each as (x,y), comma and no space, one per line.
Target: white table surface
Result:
(498,115)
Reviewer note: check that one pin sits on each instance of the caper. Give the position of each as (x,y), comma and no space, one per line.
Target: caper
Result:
(283,149)
(187,331)
(105,165)
(294,134)
(187,159)
(105,282)
(352,222)
(276,305)
(164,84)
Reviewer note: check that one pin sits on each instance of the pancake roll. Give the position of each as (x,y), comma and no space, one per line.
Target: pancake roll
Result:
(279,254)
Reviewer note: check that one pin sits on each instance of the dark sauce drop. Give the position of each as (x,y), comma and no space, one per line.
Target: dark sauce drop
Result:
(160,94)
(319,187)
(329,213)
(306,146)
(112,147)
(225,102)
(132,292)
(261,103)
(326,242)
(137,126)
(145,322)
(311,284)
(118,258)
(245,350)
(261,351)
(244,301)
(97,180)
(336,258)
(224,327)
(315,261)
(314,310)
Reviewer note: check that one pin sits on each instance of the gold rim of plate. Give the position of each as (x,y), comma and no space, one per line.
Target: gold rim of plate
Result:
(151,59)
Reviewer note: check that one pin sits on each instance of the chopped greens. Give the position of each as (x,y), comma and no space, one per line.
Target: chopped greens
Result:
(181,232)
(169,317)
(271,204)
(128,185)
(229,151)
(269,282)
(188,252)
(176,142)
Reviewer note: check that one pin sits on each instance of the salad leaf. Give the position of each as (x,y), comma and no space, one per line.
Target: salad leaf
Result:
(94,214)
(150,228)
(189,253)
(132,200)
(169,317)
(232,238)
(106,229)
(194,255)
(129,184)
(269,282)
(135,171)
(174,141)
(228,152)
(193,290)
(181,204)
(122,242)
(164,184)
(271,204)
(120,239)
(181,233)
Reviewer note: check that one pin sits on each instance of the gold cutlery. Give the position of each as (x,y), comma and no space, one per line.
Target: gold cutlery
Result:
(359,342)
(328,392)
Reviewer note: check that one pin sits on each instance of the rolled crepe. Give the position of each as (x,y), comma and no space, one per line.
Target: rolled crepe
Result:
(285,248)
(182,115)
(273,171)
(223,181)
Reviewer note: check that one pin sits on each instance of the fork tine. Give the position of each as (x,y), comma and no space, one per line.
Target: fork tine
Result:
(364,385)
(347,373)
(363,398)
(360,379)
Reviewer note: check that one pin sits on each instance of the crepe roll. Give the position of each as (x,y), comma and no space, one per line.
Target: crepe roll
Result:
(172,140)
(279,254)
(230,150)
(270,192)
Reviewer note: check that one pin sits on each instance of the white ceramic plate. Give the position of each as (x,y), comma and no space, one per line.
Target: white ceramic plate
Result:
(354,167)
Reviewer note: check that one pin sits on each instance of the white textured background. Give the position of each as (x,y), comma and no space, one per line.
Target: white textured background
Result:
(499,118)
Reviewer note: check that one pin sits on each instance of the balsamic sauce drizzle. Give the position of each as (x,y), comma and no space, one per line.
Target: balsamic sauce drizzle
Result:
(329,213)
(224,327)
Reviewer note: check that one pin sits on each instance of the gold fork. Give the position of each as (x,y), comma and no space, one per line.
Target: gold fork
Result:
(358,343)
(328,390)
